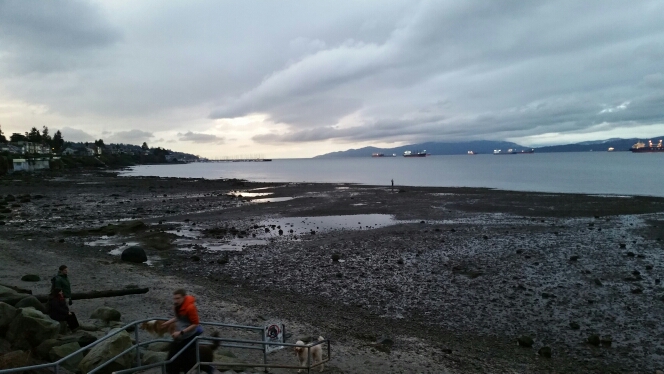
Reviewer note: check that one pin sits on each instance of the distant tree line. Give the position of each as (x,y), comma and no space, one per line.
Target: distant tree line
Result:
(42,137)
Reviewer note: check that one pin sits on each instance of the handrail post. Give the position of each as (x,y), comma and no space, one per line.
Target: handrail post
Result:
(138,352)
(262,334)
(57,367)
(198,357)
(308,361)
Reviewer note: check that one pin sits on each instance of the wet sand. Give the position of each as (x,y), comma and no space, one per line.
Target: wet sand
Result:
(452,275)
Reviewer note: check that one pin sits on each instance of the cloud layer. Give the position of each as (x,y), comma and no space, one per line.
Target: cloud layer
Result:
(325,72)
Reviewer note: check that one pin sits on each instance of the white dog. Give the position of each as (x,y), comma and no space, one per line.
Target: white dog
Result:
(316,353)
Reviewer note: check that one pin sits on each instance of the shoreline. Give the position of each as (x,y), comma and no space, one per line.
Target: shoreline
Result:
(445,286)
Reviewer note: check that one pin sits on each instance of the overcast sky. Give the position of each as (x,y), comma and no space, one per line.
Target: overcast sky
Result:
(302,78)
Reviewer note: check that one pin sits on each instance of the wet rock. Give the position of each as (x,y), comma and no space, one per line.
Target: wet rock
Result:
(637,291)
(485,237)
(649,267)
(106,314)
(640,256)
(544,352)
(525,341)
(594,339)
(574,258)
(30,278)
(10,198)
(623,245)
(657,281)
(630,254)
(336,257)
(574,326)
(134,254)
(223,260)
(195,258)
(546,295)
(598,282)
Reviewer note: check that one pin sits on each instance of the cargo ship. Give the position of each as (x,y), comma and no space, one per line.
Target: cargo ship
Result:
(377,155)
(472,153)
(508,152)
(418,154)
(527,151)
(640,147)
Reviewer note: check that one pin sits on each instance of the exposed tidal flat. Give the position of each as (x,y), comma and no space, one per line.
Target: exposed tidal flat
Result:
(453,276)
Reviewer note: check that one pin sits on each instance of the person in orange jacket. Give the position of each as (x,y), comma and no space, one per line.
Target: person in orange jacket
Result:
(187,328)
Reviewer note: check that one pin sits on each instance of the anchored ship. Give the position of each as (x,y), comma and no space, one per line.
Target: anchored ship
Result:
(418,154)
(377,155)
(472,153)
(641,147)
(508,152)
(527,151)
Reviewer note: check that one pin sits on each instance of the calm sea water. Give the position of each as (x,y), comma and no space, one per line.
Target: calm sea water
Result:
(620,173)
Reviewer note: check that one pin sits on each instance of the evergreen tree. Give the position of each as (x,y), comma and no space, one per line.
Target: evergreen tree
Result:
(145,146)
(46,138)
(34,135)
(2,136)
(57,141)
(100,143)
(16,137)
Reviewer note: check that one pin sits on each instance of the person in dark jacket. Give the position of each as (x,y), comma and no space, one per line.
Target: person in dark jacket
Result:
(61,281)
(59,311)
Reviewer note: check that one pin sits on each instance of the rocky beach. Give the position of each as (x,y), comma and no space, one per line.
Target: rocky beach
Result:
(403,280)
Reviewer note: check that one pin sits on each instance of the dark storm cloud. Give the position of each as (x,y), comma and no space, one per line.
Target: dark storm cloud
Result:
(200,138)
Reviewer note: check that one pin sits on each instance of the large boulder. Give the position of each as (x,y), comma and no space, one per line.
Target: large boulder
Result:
(31,278)
(106,350)
(30,327)
(65,350)
(31,302)
(152,357)
(6,291)
(134,254)
(106,314)
(7,314)
(14,359)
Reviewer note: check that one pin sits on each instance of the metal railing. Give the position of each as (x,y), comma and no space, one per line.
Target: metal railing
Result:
(244,344)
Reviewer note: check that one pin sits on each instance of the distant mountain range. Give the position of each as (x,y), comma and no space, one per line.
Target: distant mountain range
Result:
(487,146)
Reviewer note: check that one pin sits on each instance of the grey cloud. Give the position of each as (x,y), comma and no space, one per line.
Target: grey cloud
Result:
(130,137)
(402,70)
(200,138)
(44,36)
(75,135)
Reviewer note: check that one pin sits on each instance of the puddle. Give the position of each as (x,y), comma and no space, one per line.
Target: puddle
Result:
(271,199)
(358,204)
(108,241)
(304,225)
(249,194)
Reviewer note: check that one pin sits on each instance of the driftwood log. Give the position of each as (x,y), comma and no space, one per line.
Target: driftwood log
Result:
(12,300)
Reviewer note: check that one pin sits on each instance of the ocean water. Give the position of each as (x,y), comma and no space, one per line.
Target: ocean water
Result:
(615,173)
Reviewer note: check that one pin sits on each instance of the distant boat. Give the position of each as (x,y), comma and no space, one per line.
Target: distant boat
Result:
(640,147)
(611,149)
(418,154)
(377,155)
(527,151)
(471,153)
(510,151)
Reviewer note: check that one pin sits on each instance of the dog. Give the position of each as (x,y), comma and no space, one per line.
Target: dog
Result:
(316,353)
(156,327)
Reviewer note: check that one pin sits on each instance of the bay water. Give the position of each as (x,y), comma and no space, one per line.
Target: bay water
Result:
(614,173)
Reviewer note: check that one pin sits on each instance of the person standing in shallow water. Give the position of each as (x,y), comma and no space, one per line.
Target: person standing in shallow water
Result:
(61,281)
(187,328)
